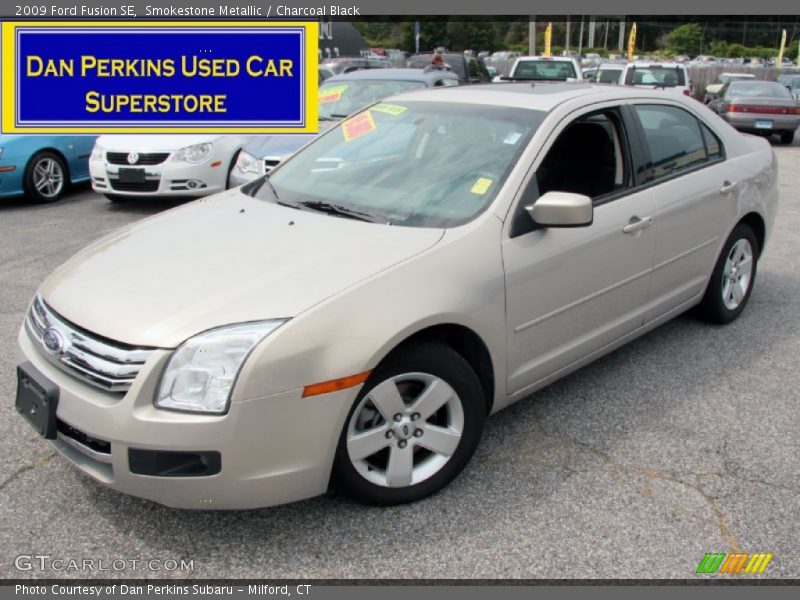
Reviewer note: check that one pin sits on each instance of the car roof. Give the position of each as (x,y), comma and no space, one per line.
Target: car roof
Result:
(657,64)
(536,96)
(394,75)
(547,58)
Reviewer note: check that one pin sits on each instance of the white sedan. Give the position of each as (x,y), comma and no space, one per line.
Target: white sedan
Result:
(127,166)
(351,320)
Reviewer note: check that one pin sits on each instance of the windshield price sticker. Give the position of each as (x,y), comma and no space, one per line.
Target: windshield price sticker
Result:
(358,126)
(331,94)
(390,109)
(481,186)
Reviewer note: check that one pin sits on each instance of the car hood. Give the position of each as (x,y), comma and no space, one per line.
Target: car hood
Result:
(145,143)
(280,145)
(225,259)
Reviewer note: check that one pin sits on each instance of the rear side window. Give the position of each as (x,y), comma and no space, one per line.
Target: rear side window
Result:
(675,140)
(713,146)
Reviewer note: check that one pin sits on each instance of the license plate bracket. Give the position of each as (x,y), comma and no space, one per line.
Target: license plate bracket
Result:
(37,400)
(763,124)
(127,175)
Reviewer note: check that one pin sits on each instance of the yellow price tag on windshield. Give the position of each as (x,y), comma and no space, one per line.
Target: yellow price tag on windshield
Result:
(481,186)
(390,109)
(331,94)
(357,126)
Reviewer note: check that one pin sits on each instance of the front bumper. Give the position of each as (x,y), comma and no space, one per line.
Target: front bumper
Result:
(274,450)
(168,178)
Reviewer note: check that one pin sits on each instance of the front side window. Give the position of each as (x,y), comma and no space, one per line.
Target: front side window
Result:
(588,157)
(674,139)
(416,164)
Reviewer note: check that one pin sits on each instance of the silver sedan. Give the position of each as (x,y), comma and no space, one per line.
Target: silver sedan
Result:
(350,320)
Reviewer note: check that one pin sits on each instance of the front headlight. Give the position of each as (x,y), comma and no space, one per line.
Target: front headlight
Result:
(194,154)
(247,163)
(97,153)
(201,373)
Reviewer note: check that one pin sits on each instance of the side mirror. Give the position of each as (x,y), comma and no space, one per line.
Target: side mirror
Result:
(562,209)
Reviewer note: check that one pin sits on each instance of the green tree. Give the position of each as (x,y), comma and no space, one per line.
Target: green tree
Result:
(432,35)
(686,39)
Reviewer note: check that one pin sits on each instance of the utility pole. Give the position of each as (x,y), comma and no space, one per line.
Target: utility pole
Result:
(592,26)
(605,38)
(532,37)
(580,39)
(621,44)
(566,45)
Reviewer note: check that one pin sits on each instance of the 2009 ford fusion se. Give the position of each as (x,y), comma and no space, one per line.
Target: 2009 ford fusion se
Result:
(349,321)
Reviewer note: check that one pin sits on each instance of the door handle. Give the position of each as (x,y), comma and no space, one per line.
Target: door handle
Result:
(637,224)
(728,186)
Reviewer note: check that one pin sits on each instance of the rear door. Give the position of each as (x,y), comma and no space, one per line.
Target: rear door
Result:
(696,195)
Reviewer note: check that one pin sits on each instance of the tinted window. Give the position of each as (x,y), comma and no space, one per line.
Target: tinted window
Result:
(656,75)
(543,70)
(609,75)
(713,146)
(674,139)
(593,147)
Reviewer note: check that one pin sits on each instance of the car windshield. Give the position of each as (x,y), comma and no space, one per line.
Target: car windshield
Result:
(758,89)
(338,99)
(544,70)
(417,164)
(656,75)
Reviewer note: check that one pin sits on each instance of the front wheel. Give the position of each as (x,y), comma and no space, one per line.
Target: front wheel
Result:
(413,427)
(45,178)
(733,277)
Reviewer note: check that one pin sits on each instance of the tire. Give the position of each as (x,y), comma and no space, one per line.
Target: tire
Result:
(117,198)
(733,277)
(45,178)
(365,454)
(787,137)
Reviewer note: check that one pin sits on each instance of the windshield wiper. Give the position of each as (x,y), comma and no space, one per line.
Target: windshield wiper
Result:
(341,211)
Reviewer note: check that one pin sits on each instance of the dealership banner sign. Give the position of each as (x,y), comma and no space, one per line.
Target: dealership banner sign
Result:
(159,77)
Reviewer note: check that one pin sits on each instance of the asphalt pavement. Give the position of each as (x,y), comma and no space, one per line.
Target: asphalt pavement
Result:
(684,442)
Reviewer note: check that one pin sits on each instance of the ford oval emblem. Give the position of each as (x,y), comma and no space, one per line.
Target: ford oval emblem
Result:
(133,158)
(53,340)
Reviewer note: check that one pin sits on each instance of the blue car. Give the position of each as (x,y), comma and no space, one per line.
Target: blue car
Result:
(41,167)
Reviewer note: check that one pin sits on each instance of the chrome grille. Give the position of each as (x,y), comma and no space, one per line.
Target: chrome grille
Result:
(108,365)
(143,158)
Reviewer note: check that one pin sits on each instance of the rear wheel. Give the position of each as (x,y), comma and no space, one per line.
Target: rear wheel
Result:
(45,178)
(412,429)
(787,137)
(733,277)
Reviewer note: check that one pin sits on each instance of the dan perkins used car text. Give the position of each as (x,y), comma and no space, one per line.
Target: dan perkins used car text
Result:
(252,10)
